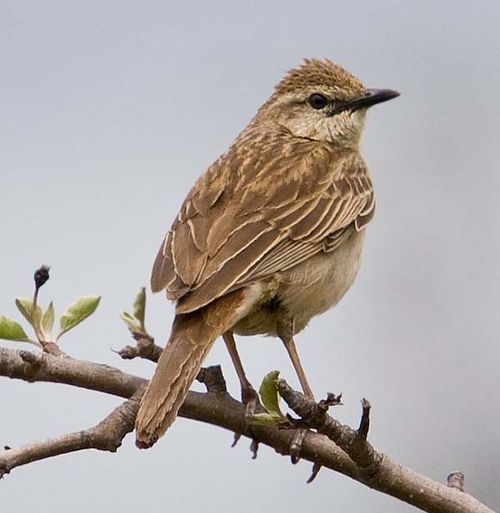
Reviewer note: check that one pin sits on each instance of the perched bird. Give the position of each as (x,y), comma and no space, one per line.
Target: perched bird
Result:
(270,236)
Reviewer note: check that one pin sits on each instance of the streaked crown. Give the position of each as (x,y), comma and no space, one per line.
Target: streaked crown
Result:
(321,75)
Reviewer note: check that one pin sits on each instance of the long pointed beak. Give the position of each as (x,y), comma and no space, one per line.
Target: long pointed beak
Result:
(370,98)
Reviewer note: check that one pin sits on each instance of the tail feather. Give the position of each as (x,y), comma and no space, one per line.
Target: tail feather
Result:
(177,368)
(191,339)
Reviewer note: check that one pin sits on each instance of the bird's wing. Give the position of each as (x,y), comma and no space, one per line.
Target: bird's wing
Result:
(249,218)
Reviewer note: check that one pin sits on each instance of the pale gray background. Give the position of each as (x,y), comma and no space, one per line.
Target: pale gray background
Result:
(108,113)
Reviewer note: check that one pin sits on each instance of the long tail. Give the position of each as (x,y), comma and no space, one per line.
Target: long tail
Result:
(192,336)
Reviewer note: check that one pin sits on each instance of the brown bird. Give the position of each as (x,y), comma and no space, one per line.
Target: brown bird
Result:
(270,236)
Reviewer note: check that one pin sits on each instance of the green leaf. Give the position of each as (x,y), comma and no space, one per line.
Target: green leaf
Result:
(266,419)
(269,393)
(25,306)
(48,319)
(78,312)
(12,330)
(131,322)
(140,306)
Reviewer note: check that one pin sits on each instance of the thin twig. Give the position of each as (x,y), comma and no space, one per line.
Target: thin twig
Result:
(145,347)
(213,379)
(377,470)
(105,436)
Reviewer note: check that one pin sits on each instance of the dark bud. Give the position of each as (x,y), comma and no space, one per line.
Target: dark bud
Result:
(331,400)
(456,480)
(41,276)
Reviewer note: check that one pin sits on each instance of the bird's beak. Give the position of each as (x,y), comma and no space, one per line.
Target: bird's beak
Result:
(371,97)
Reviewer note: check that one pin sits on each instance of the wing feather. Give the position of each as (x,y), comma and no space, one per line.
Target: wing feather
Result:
(252,215)
(188,260)
(285,255)
(228,275)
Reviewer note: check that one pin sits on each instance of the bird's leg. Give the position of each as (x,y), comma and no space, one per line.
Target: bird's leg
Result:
(285,333)
(248,394)
(285,329)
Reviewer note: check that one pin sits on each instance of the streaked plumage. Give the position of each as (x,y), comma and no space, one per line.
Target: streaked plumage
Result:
(250,230)
(277,220)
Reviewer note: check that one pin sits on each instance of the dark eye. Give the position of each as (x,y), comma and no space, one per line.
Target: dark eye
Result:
(317,101)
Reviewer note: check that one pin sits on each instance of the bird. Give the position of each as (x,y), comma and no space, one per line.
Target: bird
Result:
(270,235)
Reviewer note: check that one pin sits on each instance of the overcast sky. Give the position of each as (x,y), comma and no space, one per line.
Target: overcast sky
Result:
(110,110)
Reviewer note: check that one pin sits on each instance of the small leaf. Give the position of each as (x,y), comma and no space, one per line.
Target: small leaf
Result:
(131,322)
(269,393)
(48,319)
(140,306)
(25,306)
(78,312)
(12,330)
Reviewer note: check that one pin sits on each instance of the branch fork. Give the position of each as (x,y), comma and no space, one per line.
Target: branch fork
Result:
(315,416)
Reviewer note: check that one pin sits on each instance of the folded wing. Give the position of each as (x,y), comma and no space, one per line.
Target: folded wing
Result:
(248,218)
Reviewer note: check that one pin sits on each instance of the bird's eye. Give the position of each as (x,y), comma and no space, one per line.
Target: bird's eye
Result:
(317,101)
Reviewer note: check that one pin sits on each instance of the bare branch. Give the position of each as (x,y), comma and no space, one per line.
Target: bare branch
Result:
(220,409)
(145,348)
(377,470)
(217,408)
(31,367)
(353,442)
(105,436)
(212,378)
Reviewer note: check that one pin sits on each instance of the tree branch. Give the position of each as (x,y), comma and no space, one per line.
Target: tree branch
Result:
(220,409)
(377,470)
(217,408)
(105,436)
(145,348)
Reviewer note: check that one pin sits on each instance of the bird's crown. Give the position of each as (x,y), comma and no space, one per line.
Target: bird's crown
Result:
(320,75)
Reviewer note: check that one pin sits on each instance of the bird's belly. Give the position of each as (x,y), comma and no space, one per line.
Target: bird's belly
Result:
(306,290)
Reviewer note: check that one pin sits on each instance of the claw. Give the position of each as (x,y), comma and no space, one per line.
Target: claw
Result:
(236,439)
(254,447)
(315,470)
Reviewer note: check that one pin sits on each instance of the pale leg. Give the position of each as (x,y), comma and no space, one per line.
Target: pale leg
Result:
(285,333)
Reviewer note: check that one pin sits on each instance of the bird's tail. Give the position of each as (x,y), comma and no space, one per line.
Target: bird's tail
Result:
(192,336)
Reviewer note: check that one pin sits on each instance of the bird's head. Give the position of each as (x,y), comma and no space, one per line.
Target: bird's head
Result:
(322,101)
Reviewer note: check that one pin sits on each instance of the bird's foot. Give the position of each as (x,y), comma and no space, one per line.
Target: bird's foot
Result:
(250,399)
